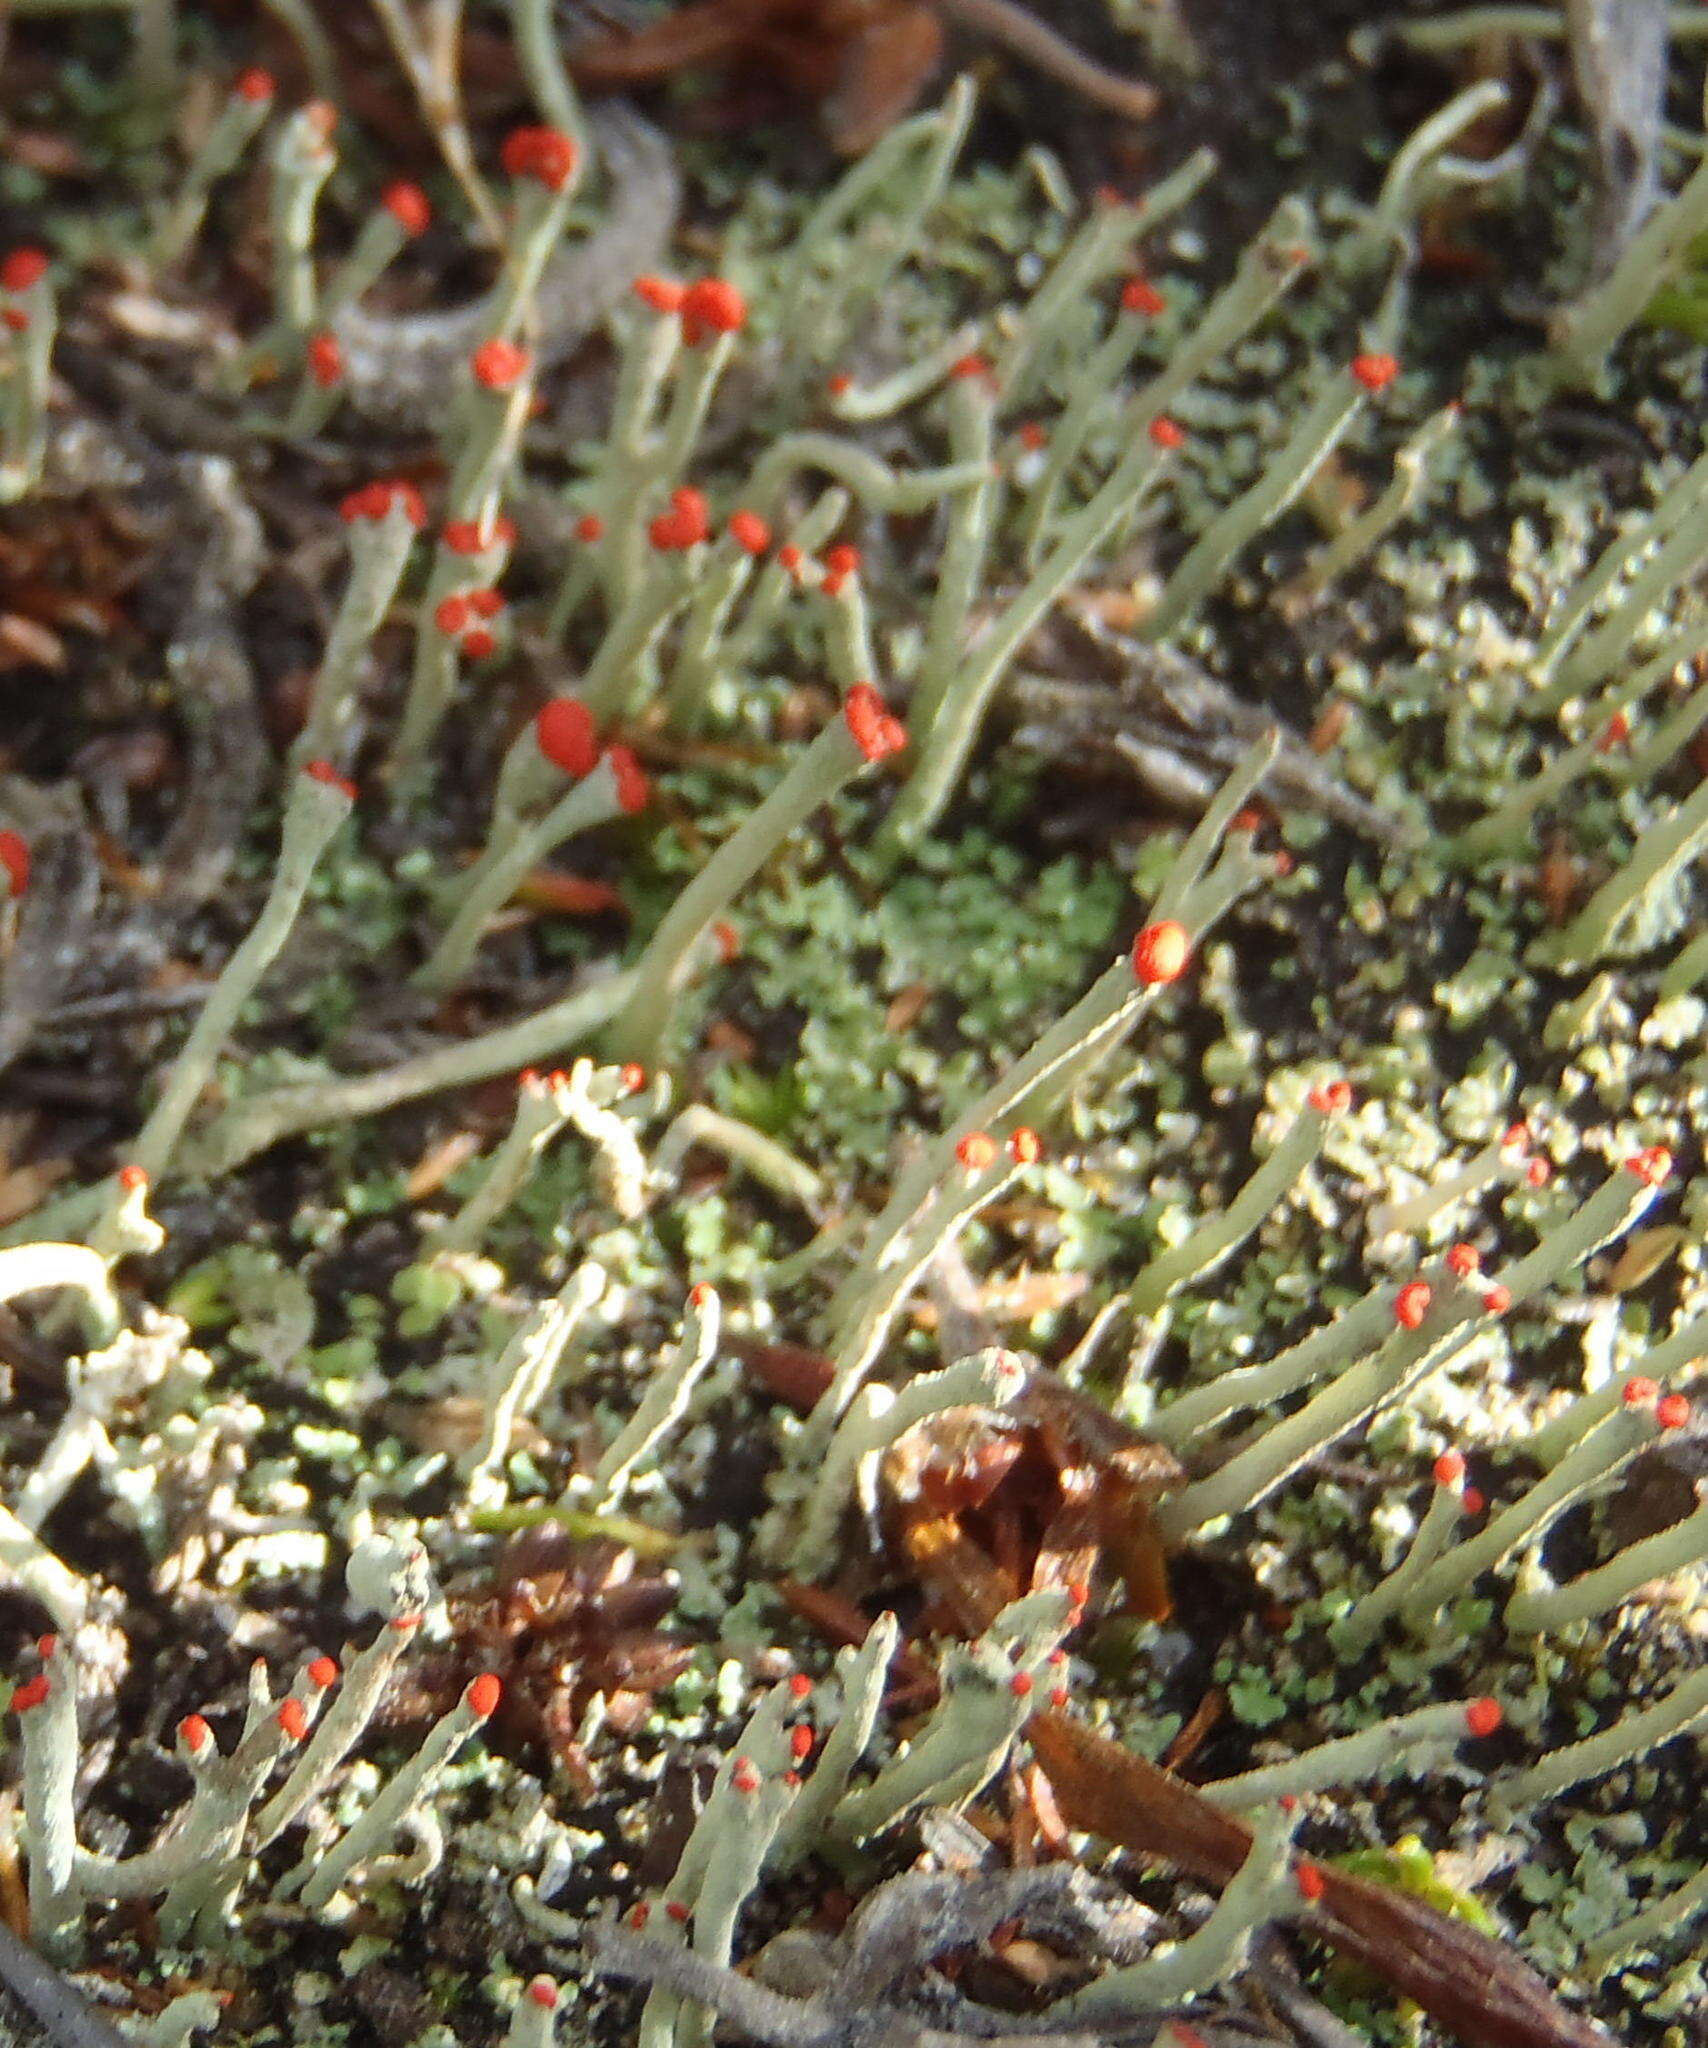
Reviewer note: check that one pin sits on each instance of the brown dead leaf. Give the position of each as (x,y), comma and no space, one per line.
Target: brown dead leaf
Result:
(436,1165)
(904,1009)
(1477,1987)
(26,643)
(1643,1255)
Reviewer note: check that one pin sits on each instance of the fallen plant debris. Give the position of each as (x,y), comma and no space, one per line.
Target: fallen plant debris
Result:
(867,61)
(1477,1987)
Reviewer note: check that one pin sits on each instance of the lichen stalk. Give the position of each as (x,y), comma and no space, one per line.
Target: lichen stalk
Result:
(314,809)
(827,766)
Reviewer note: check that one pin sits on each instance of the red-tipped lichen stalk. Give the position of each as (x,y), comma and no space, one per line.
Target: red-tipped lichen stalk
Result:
(1680,1352)
(1104,245)
(393,1581)
(382,520)
(712,314)
(848,651)
(648,345)
(541,1112)
(302,160)
(1431,1325)
(1266,268)
(1682,1547)
(700,650)
(533,2019)
(665,1401)
(544,165)
(862,1673)
(1414,1743)
(1508,1158)
(863,734)
(28,320)
(963,698)
(970,1732)
(624,670)
(1217,1236)
(615,788)
(1357,1629)
(46,1707)
(779,579)
(234,127)
(1608,1448)
(1508,827)
(1193,897)
(370,1835)
(487,432)
(1346,391)
(402,215)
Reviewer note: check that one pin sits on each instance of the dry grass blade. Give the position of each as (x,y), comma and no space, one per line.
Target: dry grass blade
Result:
(1476,1987)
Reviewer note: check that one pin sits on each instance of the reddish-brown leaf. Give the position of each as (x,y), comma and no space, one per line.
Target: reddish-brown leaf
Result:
(1477,1987)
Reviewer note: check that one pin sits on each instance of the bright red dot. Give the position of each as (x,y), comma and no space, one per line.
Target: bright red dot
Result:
(1161,953)
(1483,1717)
(633,789)
(15,860)
(1411,1304)
(22,268)
(547,155)
(407,205)
(1651,1166)
(868,719)
(323,771)
(1375,372)
(711,305)
(325,361)
(499,364)
(662,294)
(749,532)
